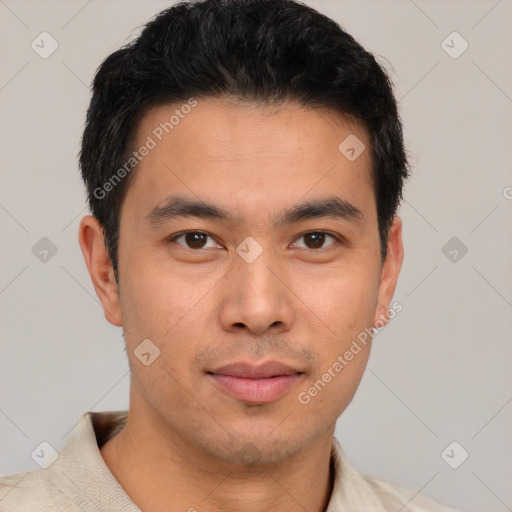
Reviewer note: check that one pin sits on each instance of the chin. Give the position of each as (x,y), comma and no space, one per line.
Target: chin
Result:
(253,449)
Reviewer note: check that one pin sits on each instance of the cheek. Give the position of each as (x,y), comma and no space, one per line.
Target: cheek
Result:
(343,352)
(344,308)
(170,316)
(169,308)
(329,392)
(344,299)
(156,295)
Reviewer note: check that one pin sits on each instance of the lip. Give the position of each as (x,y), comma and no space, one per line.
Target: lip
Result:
(256,384)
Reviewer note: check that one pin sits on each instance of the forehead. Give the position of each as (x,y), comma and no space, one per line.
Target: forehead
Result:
(289,128)
(248,153)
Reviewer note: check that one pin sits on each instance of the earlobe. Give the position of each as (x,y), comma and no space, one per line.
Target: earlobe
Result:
(91,240)
(390,271)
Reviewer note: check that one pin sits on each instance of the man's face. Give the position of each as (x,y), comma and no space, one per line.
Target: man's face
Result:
(247,289)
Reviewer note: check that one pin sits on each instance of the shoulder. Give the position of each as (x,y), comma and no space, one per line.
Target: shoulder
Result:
(32,491)
(354,490)
(394,496)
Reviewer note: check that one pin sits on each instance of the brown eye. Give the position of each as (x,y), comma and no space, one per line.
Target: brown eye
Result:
(193,239)
(316,239)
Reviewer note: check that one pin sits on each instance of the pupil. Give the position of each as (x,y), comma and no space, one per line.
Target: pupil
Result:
(195,238)
(319,239)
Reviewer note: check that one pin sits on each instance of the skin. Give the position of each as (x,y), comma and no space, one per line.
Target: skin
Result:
(187,444)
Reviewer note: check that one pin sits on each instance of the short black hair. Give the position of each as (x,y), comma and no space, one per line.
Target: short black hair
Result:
(261,51)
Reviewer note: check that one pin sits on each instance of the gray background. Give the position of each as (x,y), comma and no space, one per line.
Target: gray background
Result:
(439,372)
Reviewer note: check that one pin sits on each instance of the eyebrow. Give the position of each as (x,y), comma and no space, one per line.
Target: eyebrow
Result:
(179,206)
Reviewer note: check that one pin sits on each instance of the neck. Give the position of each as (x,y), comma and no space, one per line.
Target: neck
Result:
(160,472)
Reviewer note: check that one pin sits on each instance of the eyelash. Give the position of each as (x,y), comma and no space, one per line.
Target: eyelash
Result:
(338,239)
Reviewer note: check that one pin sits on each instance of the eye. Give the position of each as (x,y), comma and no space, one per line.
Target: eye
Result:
(196,240)
(315,239)
(193,239)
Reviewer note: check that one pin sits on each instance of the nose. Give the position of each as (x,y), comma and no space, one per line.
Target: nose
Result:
(257,297)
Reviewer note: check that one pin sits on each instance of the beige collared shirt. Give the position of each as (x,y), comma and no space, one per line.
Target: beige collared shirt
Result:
(78,480)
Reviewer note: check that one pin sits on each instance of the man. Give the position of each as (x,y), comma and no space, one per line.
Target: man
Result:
(244,163)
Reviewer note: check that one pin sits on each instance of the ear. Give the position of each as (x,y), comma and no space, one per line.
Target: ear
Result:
(390,271)
(92,243)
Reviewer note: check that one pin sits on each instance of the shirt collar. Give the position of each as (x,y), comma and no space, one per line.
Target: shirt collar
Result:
(80,471)
(81,463)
